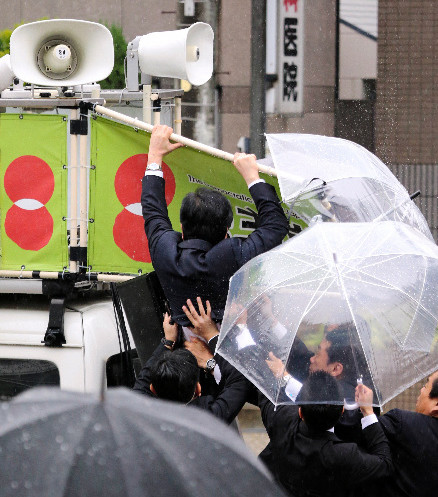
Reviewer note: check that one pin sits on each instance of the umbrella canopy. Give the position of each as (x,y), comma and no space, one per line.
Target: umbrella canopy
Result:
(332,179)
(68,444)
(367,290)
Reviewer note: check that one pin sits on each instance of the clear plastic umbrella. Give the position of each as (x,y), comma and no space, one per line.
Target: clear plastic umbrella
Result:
(358,300)
(335,180)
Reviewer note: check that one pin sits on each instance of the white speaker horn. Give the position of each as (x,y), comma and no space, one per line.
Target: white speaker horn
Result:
(6,74)
(62,52)
(183,54)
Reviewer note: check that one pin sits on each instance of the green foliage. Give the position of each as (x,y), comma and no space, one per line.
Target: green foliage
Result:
(117,78)
(5,36)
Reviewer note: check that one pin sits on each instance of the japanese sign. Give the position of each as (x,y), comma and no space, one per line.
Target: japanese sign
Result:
(290,49)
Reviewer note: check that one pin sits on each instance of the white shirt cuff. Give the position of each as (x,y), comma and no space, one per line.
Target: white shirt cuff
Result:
(293,388)
(368,420)
(154,173)
(260,180)
(279,330)
(217,374)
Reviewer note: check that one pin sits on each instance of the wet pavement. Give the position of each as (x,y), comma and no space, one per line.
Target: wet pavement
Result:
(252,429)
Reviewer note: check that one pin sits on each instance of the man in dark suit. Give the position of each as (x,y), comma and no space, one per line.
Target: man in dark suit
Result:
(200,260)
(309,460)
(177,374)
(413,438)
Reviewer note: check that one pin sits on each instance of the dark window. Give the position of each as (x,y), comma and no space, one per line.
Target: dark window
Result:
(17,375)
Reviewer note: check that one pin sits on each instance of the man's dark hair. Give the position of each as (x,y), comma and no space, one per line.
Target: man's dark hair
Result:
(320,387)
(433,394)
(174,375)
(342,350)
(205,214)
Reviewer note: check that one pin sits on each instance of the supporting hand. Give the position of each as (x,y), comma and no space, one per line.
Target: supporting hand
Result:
(202,322)
(170,330)
(364,397)
(247,167)
(200,350)
(160,144)
(276,366)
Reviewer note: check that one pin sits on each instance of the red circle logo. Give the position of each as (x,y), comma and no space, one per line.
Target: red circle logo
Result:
(128,230)
(29,183)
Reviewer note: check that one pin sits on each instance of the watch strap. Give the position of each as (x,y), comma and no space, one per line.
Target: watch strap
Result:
(167,343)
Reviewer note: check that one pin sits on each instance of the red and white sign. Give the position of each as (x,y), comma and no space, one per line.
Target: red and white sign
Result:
(29,183)
(128,230)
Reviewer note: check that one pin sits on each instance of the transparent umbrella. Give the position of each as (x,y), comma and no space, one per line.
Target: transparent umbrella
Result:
(358,300)
(335,180)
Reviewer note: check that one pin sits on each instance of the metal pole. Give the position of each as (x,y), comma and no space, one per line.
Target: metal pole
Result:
(73,190)
(258,76)
(52,275)
(215,152)
(83,215)
(147,104)
(177,118)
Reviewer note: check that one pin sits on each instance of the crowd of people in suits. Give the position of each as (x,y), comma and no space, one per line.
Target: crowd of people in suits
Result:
(316,448)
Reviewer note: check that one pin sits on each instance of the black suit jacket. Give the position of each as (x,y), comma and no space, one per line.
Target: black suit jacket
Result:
(192,268)
(315,464)
(230,395)
(413,439)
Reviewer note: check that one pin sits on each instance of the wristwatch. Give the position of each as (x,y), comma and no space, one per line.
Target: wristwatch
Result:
(211,364)
(167,343)
(153,167)
(285,379)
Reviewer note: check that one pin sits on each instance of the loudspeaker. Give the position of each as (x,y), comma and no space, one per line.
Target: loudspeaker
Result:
(183,54)
(61,52)
(6,74)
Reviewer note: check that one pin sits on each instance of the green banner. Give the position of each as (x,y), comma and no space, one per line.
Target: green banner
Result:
(117,242)
(33,192)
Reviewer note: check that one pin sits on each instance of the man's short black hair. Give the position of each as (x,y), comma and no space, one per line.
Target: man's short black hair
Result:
(320,387)
(205,214)
(342,350)
(433,394)
(174,375)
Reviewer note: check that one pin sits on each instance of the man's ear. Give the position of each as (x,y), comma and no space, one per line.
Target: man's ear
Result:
(300,413)
(336,369)
(434,410)
(152,389)
(182,232)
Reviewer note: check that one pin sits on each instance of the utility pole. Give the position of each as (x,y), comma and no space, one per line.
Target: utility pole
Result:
(258,77)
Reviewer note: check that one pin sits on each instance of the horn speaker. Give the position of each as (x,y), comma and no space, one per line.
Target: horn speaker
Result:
(183,54)
(6,74)
(61,52)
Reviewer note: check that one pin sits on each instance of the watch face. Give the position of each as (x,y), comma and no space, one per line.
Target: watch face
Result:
(211,364)
(154,167)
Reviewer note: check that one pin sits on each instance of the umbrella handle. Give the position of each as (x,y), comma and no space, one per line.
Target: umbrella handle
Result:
(351,406)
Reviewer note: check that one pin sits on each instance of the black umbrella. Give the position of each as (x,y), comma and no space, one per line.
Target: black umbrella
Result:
(57,443)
